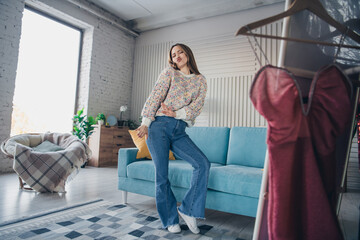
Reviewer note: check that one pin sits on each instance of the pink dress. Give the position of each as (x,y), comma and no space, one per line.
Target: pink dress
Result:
(301,142)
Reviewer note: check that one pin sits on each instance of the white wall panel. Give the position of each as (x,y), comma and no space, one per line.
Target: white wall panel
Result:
(149,62)
(230,104)
(353,175)
(229,65)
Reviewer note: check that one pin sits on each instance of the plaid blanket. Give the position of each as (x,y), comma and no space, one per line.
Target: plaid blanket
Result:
(49,171)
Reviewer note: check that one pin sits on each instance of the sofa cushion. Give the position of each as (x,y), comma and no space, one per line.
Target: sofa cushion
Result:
(234,179)
(180,172)
(247,146)
(47,146)
(141,145)
(212,141)
(231,179)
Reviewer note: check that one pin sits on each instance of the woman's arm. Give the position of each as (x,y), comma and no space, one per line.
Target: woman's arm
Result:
(167,111)
(157,96)
(142,131)
(193,110)
(153,102)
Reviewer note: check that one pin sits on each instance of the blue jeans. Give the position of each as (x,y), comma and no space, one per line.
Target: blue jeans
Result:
(167,133)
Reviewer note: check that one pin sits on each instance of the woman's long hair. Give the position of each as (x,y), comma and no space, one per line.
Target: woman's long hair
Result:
(191,59)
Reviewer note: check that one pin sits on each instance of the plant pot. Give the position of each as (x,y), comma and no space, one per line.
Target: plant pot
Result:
(101,122)
(122,123)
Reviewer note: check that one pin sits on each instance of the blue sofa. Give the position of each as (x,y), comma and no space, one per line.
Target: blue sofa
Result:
(237,158)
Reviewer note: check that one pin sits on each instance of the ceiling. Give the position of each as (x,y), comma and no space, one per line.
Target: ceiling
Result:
(144,15)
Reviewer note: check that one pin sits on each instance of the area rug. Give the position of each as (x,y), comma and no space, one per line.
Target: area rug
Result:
(103,220)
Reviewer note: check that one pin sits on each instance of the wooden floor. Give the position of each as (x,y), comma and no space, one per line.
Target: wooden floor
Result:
(101,183)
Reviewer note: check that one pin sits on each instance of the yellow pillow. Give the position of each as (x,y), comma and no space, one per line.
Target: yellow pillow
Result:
(140,143)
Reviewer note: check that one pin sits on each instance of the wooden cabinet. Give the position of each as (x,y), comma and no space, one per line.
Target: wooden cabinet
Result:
(105,143)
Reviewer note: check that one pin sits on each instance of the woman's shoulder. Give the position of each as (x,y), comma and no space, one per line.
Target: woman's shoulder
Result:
(168,71)
(201,78)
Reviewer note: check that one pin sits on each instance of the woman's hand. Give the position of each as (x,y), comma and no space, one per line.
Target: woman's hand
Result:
(167,111)
(142,131)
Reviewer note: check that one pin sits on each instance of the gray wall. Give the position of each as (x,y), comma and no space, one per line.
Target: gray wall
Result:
(10,30)
(312,57)
(227,62)
(106,63)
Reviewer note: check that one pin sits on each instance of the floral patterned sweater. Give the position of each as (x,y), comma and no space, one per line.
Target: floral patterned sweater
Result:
(184,94)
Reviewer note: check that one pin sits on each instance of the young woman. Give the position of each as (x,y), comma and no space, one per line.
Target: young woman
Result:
(174,103)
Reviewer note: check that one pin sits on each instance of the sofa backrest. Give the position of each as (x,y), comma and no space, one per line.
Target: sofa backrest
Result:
(247,146)
(212,141)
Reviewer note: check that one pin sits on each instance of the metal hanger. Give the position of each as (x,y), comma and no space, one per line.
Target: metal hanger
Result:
(313,6)
(353,23)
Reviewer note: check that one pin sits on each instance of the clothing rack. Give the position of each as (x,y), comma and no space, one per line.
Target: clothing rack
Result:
(351,134)
(352,70)
(313,6)
(310,74)
(291,8)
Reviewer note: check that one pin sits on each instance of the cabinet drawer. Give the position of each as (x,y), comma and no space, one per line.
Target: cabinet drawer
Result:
(105,150)
(122,136)
(125,145)
(119,145)
(105,130)
(121,130)
(104,142)
(108,140)
(106,136)
(121,139)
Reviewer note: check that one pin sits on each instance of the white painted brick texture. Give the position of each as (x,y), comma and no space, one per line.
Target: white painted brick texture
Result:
(111,71)
(106,64)
(10,30)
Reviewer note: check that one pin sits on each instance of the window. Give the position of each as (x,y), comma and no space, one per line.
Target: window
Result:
(47,73)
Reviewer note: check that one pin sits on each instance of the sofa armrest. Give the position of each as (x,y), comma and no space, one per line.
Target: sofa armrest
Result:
(126,156)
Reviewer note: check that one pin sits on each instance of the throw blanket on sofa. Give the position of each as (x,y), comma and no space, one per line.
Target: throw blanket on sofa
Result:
(48,171)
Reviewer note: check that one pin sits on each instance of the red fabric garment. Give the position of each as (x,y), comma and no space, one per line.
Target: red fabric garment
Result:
(358,130)
(301,142)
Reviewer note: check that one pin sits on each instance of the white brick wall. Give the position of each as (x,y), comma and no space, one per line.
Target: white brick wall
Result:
(111,70)
(10,29)
(106,64)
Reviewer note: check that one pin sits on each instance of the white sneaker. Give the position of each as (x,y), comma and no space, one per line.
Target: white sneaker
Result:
(190,222)
(174,228)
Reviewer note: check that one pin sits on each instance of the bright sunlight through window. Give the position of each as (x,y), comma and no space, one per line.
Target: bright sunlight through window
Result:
(46,78)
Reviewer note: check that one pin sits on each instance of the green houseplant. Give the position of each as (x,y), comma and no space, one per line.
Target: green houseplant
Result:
(82,125)
(132,124)
(100,118)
